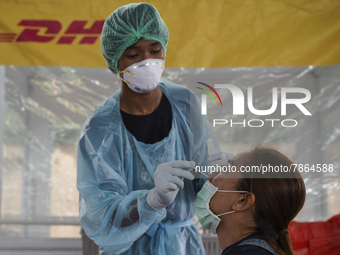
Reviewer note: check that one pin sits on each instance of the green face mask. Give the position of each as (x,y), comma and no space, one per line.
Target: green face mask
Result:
(207,218)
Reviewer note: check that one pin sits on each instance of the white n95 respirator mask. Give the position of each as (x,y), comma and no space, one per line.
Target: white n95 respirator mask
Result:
(144,76)
(206,217)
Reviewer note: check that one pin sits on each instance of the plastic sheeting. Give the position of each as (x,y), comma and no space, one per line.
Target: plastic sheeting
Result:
(45,108)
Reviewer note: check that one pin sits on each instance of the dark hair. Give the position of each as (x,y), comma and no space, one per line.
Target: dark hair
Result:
(277,200)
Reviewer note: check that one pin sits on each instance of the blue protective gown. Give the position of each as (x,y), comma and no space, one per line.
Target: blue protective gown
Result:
(115,174)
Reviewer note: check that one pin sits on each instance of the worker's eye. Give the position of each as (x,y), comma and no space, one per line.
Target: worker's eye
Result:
(155,51)
(132,56)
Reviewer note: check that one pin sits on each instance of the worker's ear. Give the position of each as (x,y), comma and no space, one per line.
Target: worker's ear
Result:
(119,66)
(244,201)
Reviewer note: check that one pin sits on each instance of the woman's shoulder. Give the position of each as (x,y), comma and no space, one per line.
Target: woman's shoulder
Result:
(247,250)
(252,244)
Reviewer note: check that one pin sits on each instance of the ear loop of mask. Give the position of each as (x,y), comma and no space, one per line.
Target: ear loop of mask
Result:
(126,71)
(229,191)
(162,68)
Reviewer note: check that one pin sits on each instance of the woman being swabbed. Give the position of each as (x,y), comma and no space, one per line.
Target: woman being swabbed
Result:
(250,212)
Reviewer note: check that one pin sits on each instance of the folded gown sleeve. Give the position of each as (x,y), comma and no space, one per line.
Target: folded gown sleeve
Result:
(105,199)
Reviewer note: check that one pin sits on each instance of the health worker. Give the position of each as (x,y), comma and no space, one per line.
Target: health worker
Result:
(137,195)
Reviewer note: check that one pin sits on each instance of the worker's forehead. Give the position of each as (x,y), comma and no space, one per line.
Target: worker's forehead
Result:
(142,42)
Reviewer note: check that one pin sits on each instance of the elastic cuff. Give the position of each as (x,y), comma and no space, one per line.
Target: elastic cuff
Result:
(149,203)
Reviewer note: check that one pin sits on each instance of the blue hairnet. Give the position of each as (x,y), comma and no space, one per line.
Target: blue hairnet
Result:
(126,25)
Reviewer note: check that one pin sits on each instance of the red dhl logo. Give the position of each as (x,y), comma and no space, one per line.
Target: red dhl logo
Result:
(52,29)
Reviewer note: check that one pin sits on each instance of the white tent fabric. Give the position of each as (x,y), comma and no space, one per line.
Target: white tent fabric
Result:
(42,110)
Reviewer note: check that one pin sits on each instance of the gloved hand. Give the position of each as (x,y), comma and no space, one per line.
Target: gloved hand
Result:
(220,158)
(168,179)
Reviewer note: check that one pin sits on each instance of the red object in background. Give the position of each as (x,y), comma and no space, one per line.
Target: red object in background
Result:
(316,238)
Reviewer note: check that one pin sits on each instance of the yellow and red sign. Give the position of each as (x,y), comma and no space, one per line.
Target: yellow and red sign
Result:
(202,33)
(52,29)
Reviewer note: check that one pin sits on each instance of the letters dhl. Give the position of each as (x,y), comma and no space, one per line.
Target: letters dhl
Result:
(44,31)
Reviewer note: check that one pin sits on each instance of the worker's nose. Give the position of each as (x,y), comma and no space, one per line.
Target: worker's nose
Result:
(146,55)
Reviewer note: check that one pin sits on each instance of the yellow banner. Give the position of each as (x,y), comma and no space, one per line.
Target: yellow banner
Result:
(203,33)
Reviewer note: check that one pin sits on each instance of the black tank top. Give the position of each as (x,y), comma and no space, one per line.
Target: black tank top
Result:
(153,127)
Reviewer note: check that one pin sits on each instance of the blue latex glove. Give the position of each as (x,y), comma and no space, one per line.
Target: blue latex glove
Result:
(168,179)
